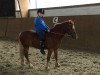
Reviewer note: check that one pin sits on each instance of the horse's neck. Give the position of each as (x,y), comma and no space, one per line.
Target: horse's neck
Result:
(58,29)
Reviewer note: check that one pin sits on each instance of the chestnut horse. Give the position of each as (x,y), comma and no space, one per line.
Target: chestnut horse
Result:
(53,40)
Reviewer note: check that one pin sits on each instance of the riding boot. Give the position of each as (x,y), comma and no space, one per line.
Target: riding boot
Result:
(42,47)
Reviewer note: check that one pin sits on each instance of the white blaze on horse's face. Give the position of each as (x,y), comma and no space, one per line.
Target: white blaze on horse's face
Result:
(73,27)
(72,23)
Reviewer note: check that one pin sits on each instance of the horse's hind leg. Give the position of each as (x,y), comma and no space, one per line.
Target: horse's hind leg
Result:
(48,57)
(26,49)
(56,58)
(21,54)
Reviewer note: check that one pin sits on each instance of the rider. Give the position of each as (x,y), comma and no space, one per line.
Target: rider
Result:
(41,28)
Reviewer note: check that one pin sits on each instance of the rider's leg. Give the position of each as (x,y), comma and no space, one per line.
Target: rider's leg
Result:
(42,40)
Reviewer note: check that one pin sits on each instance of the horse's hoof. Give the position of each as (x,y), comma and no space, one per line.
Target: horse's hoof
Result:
(57,65)
(30,65)
(46,68)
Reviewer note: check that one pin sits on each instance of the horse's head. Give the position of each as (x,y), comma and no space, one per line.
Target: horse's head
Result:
(70,29)
(65,27)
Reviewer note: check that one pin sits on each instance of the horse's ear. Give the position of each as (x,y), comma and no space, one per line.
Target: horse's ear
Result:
(70,21)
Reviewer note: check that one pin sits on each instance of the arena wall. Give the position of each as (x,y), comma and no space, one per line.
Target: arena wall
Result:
(13,26)
(87,27)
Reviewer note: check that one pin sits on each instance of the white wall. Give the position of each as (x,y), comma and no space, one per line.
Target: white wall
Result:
(67,11)
(70,11)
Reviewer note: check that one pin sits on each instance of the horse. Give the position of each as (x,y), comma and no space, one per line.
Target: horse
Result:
(52,43)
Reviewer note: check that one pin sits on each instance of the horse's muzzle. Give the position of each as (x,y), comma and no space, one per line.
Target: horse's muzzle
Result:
(74,36)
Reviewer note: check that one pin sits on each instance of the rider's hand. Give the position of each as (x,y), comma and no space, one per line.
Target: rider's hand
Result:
(48,30)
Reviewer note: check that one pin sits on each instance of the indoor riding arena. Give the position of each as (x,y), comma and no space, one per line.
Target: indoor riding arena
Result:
(79,56)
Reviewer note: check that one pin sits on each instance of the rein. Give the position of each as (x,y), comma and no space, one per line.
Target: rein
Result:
(57,33)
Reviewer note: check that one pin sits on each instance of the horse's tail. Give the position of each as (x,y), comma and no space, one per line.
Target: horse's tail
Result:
(18,38)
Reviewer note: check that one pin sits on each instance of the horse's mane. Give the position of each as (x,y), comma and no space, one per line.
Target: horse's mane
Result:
(63,22)
(60,23)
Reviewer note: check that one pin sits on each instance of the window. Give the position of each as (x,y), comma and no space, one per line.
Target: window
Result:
(16,4)
(56,3)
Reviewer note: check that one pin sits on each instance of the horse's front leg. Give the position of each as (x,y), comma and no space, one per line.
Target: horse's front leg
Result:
(48,57)
(56,58)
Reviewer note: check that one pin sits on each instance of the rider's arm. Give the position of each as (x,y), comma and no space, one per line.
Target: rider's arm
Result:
(43,25)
